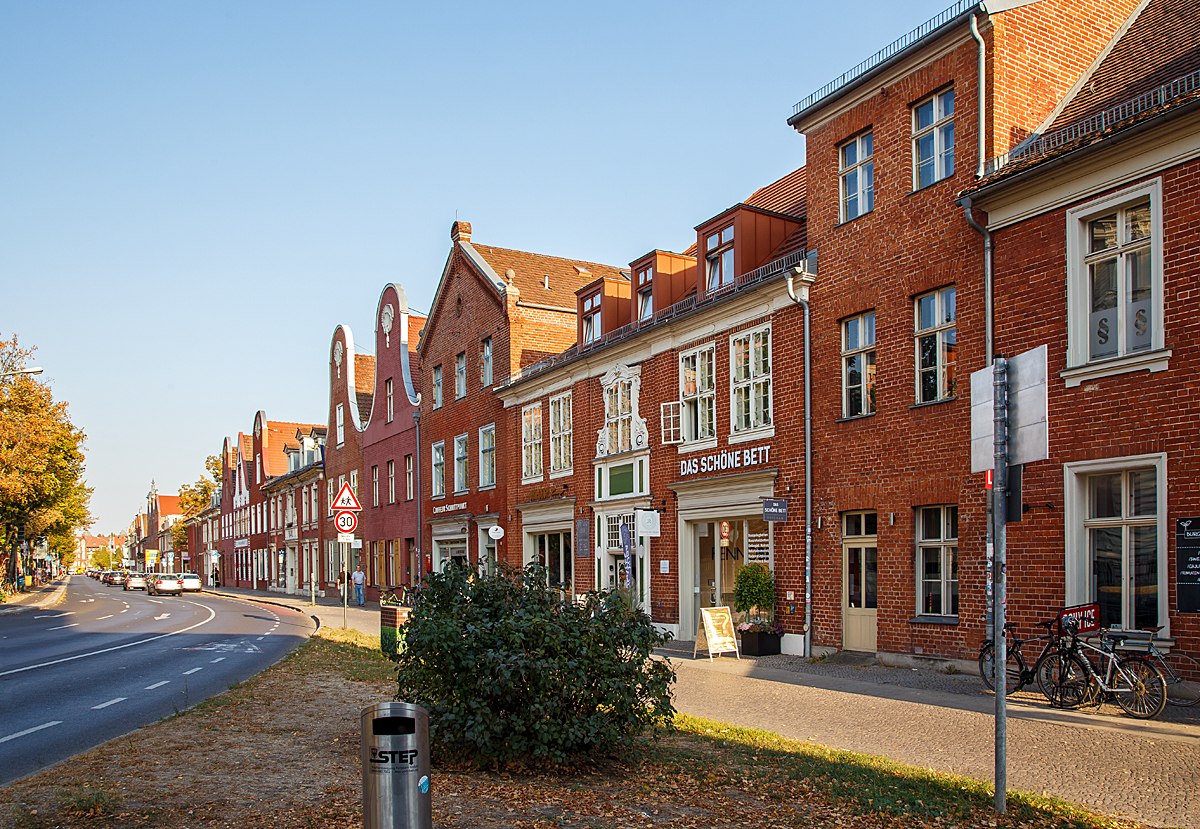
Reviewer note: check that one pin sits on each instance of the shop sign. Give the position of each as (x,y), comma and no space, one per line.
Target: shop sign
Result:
(715,633)
(775,509)
(647,522)
(1187,565)
(449,507)
(725,460)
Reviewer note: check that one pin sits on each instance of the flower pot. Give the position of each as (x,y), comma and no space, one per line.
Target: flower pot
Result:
(760,644)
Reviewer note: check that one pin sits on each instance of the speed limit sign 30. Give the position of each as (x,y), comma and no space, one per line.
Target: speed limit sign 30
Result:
(346,522)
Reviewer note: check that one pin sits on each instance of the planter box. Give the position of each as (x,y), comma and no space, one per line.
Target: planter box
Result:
(760,644)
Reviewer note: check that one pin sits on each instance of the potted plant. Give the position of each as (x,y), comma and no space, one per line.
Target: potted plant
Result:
(754,590)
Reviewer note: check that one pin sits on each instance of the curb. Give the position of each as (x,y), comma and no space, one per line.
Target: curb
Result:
(252,600)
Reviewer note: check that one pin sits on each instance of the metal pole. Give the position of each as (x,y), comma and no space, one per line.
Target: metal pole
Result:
(999,510)
(345,583)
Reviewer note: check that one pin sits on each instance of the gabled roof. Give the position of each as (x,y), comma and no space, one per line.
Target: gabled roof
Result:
(787,195)
(531,272)
(168,505)
(277,432)
(364,384)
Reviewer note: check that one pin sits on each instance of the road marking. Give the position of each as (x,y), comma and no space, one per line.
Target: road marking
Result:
(218,659)
(30,730)
(156,601)
(157,685)
(55,615)
(126,610)
(109,616)
(60,627)
(160,618)
(212,614)
(106,704)
(193,670)
(259,638)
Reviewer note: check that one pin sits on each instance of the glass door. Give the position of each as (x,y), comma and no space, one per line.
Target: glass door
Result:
(860,583)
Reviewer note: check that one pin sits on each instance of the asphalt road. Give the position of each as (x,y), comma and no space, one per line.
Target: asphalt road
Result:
(103,662)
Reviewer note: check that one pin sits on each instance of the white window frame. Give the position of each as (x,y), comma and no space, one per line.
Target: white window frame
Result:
(1077,556)
(408,477)
(754,385)
(698,398)
(858,342)
(591,331)
(560,435)
(645,295)
(387,387)
(375,485)
(1080,366)
(531,443)
(943,328)
(719,258)
(487,456)
(485,360)
(618,423)
(460,375)
(948,554)
(391,481)
(438,461)
(341,424)
(860,167)
(437,387)
(939,133)
(462,465)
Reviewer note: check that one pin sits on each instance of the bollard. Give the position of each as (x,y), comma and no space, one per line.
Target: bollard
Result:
(395,767)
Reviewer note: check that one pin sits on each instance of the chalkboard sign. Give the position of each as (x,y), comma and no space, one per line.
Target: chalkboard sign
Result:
(715,632)
(1187,565)
(583,538)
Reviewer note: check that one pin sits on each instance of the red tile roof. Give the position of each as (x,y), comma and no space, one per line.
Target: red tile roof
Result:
(278,431)
(531,270)
(168,505)
(787,195)
(364,384)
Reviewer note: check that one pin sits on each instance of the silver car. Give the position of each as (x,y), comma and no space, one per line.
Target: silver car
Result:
(136,581)
(158,584)
(191,583)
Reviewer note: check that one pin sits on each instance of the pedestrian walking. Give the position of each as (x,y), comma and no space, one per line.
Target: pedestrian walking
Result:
(360,578)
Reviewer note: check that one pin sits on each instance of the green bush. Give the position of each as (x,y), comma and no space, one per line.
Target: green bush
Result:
(754,587)
(514,676)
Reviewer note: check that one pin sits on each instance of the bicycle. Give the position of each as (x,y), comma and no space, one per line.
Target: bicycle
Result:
(402,596)
(1180,670)
(1017,673)
(1073,680)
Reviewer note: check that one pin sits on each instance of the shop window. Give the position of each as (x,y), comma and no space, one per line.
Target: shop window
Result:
(937,560)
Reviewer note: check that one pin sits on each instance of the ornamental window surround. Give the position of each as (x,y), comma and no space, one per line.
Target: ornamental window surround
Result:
(560,434)
(531,442)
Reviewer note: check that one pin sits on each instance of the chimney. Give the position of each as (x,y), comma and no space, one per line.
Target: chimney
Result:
(460,232)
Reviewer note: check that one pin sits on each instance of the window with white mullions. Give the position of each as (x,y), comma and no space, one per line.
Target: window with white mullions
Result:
(531,441)
(697,391)
(591,319)
(1122,539)
(618,416)
(936,345)
(858,365)
(645,295)
(751,379)
(560,433)
(718,252)
(937,560)
(487,455)
(460,464)
(460,375)
(933,139)
(1120,282)
(857,165)
(439,469)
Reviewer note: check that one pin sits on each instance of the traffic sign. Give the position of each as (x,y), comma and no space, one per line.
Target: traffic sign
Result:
(346,522)
(345,500)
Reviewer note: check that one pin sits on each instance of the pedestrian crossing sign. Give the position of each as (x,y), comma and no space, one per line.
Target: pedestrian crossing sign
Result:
(345,500)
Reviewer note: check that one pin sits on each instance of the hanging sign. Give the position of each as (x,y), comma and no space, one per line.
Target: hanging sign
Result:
(775,509)
(1187,565)
(715,633)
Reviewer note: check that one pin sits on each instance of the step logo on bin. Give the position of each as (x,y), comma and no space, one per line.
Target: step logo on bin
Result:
(402,760)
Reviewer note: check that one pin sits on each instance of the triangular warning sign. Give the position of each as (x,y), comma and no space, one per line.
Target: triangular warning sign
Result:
(345,500)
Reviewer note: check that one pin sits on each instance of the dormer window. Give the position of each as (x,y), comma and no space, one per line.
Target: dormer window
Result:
(591,319)
(718,250)
(645,295)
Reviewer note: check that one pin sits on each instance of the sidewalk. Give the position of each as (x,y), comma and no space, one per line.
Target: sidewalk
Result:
(327,611)
(35,597)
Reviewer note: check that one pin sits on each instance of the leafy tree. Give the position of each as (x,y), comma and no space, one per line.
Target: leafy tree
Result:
(194,499)
(754,588)
(514,675)
(41,460)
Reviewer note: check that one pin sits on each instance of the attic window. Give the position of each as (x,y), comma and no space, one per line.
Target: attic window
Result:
(591,319)
(645,296)
(458,307)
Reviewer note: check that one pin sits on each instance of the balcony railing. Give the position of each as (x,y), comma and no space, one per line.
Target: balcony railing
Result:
(1100,122)
(886,53)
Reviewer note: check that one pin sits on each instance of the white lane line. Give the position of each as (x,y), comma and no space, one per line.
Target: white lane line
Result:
(60,627)
(157,685)
(156,601)
(257,640)
(109,616)
(55,615)
(218,659)
(126,610)
(193,670)
(30,730)
(212,614)
(106,704)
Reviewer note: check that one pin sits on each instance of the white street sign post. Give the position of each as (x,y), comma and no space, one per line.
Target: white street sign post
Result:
(345,505)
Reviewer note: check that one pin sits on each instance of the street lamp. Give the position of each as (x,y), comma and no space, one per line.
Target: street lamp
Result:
(21,371)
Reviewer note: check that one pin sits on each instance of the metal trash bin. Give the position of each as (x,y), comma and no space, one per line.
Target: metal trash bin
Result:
(395,766)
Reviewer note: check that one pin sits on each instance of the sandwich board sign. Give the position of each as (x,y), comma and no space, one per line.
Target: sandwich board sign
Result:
(715,632)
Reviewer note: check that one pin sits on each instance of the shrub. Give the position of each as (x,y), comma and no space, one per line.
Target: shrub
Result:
(512,675)
(754,587)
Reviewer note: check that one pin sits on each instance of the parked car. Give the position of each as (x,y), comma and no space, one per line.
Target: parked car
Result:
(191,583)
(135,581)
(158,584)
(118,578)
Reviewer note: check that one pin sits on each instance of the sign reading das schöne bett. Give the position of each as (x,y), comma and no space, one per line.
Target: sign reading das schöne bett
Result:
(725,460)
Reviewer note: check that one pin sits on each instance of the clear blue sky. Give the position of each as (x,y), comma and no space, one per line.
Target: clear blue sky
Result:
(194,194)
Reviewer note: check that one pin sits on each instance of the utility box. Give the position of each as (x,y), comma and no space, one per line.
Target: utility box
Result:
(395,767)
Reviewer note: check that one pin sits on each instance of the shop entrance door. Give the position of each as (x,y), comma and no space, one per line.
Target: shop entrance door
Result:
(859,595)
(291,570)
(553,551)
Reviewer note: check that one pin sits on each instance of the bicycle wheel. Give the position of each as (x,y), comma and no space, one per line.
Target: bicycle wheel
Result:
(1064,680)
(1183,683)
(1012,669)
(1140,688)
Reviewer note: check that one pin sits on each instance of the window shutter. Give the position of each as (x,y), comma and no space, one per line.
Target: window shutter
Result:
(672,422)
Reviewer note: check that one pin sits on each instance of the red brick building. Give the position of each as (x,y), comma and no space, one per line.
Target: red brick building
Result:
(351,380)
(495,312)
(296,500)
(1095,227)
(388,520)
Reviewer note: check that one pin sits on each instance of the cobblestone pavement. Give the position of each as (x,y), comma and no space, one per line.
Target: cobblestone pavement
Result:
(1147,770)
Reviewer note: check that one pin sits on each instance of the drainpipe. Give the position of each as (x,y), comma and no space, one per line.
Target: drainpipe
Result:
(988,301)
(417,483)
(806,281)
(982,79)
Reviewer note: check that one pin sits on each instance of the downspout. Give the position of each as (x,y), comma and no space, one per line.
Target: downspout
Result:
(988,301)
(417,475)
(982,83)
(806,279)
